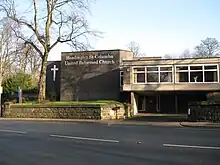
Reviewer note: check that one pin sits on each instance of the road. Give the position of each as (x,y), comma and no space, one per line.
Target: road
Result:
(55,143)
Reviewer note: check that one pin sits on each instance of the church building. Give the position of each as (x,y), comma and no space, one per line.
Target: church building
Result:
(150,84)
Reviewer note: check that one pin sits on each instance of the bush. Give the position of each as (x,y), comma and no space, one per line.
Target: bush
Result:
(11,84)
(22,80)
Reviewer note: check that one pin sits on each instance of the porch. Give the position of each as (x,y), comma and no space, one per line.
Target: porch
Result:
(165,102)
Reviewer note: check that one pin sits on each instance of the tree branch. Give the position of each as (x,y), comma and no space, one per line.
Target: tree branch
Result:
(26,41)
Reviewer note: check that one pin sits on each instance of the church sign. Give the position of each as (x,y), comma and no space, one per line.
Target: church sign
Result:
(90,59)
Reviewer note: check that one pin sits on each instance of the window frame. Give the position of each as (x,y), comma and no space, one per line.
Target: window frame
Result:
(203,72)
(158,71)
(136,72)
(167,71)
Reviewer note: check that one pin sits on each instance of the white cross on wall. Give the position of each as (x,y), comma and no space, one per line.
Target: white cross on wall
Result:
(54,69)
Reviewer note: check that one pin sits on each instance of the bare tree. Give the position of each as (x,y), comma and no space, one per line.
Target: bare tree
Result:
(186,54)
(7,48)
(210,47)
(33,62)
(135,48)
(29,61)
(167,56)
(61,21)
(17,56)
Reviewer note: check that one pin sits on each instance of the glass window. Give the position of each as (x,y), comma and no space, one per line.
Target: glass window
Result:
(182,77)
(166,74)
(165,68)
(153,77)
(211,76)
(195,67)
(196,76)
(198,73)
(152,68)
(210,67)
(181,68)
(166,77)
(139,77)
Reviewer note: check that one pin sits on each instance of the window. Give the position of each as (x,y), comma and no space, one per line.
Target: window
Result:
(196,76)
(121,78)
(211,76)
(152,69)
(182,74)
(152,74)
(139,75)
(166,74)
(197,73)
(152,77)
(210,73)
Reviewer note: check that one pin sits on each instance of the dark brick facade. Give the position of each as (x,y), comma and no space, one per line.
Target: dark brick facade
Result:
(87,75)
(84,77)
(53,87)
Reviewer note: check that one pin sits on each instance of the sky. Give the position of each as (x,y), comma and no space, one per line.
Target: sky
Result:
(159,26)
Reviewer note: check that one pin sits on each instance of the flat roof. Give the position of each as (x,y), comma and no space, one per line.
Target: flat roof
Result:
(97,51)
(163,59)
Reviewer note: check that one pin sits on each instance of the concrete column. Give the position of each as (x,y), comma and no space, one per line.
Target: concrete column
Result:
(134,103)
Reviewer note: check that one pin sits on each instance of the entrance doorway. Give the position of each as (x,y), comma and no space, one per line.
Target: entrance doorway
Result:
(148,104)
(151,104)
(141,104)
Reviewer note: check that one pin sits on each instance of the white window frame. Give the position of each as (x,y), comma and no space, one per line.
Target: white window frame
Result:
(162,66)
(203,70)
(133,80)
(158,71)
(156,66)
(180,72)
(210,71)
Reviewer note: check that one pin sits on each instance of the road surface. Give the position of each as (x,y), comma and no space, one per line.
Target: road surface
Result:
(56,143)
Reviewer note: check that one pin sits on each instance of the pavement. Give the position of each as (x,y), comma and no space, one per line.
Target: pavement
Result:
(53,142)
(164,123)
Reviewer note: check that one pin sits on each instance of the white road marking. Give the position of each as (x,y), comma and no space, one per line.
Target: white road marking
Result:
(84,138)
(188,146)
(198,129)
(12,131)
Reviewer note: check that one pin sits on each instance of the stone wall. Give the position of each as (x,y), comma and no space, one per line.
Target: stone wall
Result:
(204,111)
(96,112)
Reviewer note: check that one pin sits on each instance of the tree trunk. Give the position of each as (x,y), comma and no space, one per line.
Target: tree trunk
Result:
(42,80)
